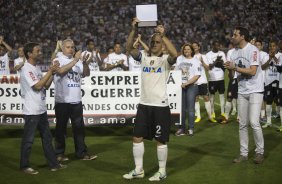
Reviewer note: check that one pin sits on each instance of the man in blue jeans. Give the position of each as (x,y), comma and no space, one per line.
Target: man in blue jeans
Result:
(33,92)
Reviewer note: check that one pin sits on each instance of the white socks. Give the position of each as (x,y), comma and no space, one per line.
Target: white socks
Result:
(212,103)
(228,107)
(138,152)
(221,100)
(268,110)
(197,110)
(234,104)
(262,113)
(208,108)
(162,157)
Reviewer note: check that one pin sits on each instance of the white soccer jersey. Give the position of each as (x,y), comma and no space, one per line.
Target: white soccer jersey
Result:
(203,78)
(263,56)
(18,61)
(188,67)
(280,74)
(215,74)
(133,64)
(113,58)
(33,101)
(68,86)
(154,76)
(4,65)
(93,65)
(245,58)
(229,59)
(271,73)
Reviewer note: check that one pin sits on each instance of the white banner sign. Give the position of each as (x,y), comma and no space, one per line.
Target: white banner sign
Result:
(109,98)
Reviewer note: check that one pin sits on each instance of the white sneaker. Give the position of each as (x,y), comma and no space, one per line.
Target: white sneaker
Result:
(190,132)
(266,125)
(158,176)
(132,175)
(29,170)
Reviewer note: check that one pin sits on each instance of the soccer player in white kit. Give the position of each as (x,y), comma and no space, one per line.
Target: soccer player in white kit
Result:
(202,85)
(232,92)
(245,62)
(263,56)
(4,57)
(94,59)
(116,61)
(279,69)
(215,59)
(153,117)
(271,81)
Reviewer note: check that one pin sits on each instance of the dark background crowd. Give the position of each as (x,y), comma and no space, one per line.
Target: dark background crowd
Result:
(108,21)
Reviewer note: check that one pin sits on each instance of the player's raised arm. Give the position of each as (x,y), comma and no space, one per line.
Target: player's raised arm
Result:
(129,44)
(170,47)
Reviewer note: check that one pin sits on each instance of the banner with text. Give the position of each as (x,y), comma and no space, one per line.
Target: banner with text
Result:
(109,98)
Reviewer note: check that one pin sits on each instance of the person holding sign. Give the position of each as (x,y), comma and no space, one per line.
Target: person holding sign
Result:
(153,117)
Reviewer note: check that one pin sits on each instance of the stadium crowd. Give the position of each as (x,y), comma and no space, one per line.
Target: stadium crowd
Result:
(105,21)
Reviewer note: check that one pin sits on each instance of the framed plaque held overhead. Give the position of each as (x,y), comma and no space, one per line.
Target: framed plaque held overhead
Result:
(147,15)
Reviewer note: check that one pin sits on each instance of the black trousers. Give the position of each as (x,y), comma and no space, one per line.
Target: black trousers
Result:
(74,112)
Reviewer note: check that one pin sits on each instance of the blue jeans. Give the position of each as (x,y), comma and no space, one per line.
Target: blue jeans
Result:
(188,104)
(40,122)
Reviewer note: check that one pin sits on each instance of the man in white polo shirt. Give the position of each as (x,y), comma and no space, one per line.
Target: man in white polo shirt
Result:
(68,103)
(33,92)
(246,63)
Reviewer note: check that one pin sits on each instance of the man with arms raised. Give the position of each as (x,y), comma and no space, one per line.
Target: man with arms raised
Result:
(153,117)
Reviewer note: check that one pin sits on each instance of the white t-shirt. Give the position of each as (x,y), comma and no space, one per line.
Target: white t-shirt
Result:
(18,61)
(271,73)
(245,58)
(34,102)
(263,59)
(215,74)
(154,76)
(113,58)
(203,78)
(68,86)
(4,65)
(93,65)
(189,67)
(133,64)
